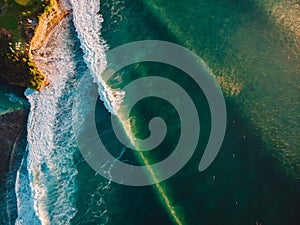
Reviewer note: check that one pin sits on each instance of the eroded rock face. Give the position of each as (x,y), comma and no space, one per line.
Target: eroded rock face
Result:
(44,84)
(5,33)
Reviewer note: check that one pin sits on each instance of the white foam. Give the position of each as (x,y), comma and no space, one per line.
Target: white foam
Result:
(51,169)
(24,196)
(87,21)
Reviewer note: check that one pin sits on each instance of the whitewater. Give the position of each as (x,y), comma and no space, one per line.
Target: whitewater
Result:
(46,181)
(87,21)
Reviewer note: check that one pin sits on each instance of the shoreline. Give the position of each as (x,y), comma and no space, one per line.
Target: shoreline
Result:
(13,124)
(53,14)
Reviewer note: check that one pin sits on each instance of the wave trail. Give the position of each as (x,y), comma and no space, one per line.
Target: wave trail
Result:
(87,21)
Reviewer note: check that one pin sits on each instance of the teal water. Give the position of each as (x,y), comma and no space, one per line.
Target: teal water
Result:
(256,62)
(10,102)
(254,57)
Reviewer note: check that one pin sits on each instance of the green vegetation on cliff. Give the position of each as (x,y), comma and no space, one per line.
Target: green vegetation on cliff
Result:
(18,19)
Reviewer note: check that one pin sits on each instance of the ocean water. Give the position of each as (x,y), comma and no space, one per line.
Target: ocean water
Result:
(10,102)
(48,187)
(254,179)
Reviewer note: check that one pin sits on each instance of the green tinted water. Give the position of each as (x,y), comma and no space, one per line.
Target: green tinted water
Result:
(255,178)
(9,102)
(253,61)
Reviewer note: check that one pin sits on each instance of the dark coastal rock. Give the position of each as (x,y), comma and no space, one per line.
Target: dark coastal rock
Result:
(16,32)
(11,126)
(5,33)
(12,148)
(18,90)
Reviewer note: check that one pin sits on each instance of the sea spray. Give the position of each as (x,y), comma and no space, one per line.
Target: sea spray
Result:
(87,21)
(51,169)
(50,164)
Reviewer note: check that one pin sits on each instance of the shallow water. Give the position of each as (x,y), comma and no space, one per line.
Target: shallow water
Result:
(10,102)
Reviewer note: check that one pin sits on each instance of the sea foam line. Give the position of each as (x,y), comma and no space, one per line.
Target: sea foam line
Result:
(50,165)
(87,21)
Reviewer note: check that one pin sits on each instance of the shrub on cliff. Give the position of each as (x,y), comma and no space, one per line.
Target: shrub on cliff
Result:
(16,66)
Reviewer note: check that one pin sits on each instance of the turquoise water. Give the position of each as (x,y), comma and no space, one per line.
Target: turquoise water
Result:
(239,187)
(254,57)
(10,102)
